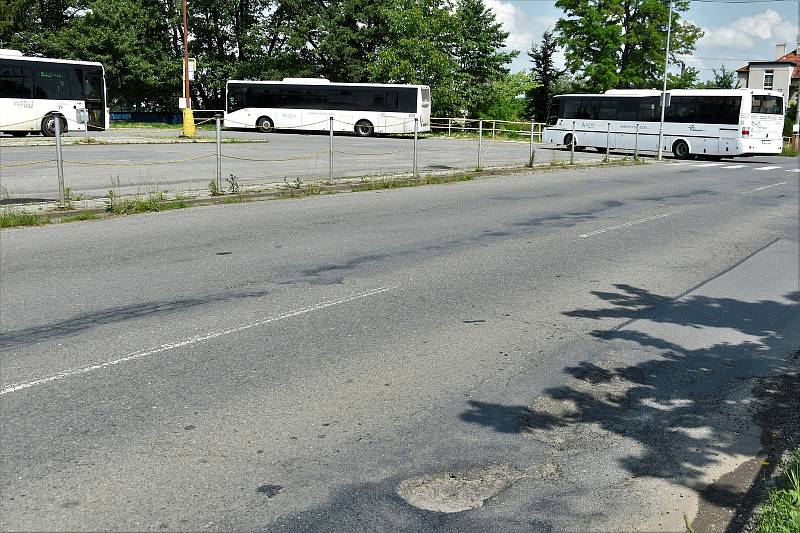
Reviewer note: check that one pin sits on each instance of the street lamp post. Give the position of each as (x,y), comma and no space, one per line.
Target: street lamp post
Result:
(664,91)
(188,117)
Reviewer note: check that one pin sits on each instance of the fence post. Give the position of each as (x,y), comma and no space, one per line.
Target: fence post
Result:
(330,152)
(449,126)
(60,163)
(532,151)
(572,145)
(480,141)
(636,144)
(494,125)
(416,129)
(608,142)
(219,152)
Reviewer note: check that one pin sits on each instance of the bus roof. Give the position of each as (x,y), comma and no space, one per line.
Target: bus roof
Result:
(320,81)
(16,57)
(677,92)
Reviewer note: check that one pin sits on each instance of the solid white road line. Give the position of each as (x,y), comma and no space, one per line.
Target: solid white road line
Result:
(734,166)
(709,165)
(633,222)
(765,187)
(767,168)
(188,342)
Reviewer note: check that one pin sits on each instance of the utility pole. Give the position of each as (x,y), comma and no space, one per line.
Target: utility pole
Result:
(664,91)
(188,118)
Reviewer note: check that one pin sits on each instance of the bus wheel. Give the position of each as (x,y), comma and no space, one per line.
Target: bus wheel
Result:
(568,140)
(49,125)
(680,150)
(264,124)
(364,128)
(18,133)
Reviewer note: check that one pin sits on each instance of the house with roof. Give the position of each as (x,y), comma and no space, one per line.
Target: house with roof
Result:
(782,74)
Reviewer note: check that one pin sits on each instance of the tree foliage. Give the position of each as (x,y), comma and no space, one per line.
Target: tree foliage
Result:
(455,46)
(545,74)
(621,43)
(723,79)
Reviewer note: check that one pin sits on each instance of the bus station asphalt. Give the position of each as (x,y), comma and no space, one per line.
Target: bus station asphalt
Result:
(29,172)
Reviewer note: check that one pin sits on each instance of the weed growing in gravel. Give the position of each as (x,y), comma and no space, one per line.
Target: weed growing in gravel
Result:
(10,219)
(146,204)
(214,189)
(781,512)
(233,184)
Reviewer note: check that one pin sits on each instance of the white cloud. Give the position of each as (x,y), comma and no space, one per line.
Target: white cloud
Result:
(750,33)
(523,29)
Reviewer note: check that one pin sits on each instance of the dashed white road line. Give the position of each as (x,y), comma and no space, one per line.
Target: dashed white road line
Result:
(767,168)
(765,187)
(734,166)
(188,342)
(793,170)
(625,225)
(709,165)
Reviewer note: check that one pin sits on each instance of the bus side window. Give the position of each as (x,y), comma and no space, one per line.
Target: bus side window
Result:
(648,110)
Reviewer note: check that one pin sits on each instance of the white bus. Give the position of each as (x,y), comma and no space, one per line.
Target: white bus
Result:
(34,91)
(308,103)
(702,122)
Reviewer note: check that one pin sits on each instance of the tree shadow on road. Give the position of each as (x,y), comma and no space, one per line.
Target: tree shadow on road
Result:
(659,384)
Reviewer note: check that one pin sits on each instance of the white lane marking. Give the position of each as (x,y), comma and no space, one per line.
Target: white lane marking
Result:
(793,170)
(734,166)
(765,187)
(631,223)
(767,168)
(188,342)
(709,165)
(681,163)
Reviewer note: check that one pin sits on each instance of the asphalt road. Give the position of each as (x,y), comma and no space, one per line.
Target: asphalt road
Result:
(559,347)
(142,168)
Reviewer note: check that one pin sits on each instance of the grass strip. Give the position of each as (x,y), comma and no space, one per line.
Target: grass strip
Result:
(11,219)
(781,512)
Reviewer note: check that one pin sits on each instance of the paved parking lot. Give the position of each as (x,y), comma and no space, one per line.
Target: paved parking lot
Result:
(29,171)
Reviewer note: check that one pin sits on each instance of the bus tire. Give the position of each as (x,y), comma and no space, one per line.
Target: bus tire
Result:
(680,149)
(265,125)
(568,140)
(49,124)
(364,128)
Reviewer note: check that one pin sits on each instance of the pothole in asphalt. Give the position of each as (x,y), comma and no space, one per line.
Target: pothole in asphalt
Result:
(453,492)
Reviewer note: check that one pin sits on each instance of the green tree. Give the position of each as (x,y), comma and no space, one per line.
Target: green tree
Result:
(416,50)
(477,48)
(507,97)
(723,79)
(140,69)
(545,74)
(621,43)
(687,79)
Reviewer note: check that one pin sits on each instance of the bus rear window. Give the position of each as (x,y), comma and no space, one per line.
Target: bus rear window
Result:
(767,104)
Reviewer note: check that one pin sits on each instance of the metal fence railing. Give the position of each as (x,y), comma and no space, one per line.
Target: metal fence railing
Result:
(491,128)
(102,165)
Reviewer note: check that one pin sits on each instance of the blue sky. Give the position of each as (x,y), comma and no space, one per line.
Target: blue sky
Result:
(735,32)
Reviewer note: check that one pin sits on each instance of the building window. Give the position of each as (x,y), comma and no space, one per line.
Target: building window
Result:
(769,75)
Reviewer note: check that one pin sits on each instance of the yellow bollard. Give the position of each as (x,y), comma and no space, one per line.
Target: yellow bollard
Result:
(189,129)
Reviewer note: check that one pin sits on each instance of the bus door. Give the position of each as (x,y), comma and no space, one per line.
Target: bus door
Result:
(95,98)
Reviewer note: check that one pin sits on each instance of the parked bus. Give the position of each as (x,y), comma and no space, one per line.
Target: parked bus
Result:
(308,103)
(703,122)
(35,91)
